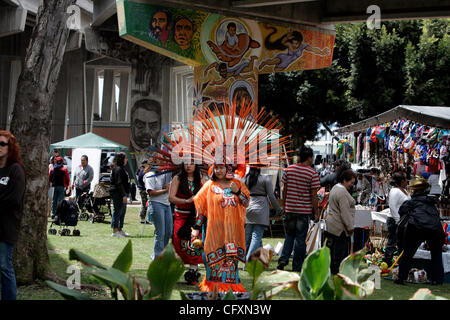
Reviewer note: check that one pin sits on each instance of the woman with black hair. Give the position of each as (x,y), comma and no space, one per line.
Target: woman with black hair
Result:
(221,204)
(120,187)
(293,42)
(182,189)
(257,213)
(397,195)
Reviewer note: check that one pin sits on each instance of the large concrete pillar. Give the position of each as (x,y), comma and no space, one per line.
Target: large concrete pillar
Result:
(108,94)
(60,106)
(90,86)
(76,93)
(96,102)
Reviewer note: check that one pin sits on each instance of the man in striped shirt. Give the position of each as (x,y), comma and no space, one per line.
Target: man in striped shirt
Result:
(300,185)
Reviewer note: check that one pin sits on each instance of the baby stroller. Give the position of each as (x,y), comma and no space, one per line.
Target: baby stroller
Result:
(66,216)
(101,200)
(86,205)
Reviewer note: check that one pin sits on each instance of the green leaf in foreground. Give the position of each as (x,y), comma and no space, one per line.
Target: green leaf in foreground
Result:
(352,264)
(125,259)
(74,254)
(115,278)
(315,273)
(229,296)
(163,273)
(274,283)
(254,268)
(67,293)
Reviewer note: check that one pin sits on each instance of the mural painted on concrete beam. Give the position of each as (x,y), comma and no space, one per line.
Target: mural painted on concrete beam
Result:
(227,53)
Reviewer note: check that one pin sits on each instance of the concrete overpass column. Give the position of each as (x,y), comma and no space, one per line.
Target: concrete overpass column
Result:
(60,106)
(76,93)
(108,94)
(90,79)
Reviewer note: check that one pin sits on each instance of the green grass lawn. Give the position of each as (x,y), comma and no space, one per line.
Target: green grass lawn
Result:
(96,241)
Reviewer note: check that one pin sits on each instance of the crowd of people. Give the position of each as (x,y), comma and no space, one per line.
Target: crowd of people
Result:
(413,217)
(200,203)
(219,218)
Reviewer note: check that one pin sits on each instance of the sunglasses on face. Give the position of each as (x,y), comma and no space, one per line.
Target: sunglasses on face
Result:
(2,144)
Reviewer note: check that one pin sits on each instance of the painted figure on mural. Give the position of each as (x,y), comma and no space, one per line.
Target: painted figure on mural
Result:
(183,31)
(234,46)
(159,26)
(243,70)
(231,39)
(293,42)
(145,127)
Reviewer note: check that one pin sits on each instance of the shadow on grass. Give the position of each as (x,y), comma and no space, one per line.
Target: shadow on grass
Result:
(59,264)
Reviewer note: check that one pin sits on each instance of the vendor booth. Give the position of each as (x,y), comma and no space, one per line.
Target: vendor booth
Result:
(413,139)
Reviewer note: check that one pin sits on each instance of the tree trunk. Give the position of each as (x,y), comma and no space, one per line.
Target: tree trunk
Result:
(31,124)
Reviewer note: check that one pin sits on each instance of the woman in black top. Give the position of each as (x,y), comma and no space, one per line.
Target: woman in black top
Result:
(12,190)
(120,187)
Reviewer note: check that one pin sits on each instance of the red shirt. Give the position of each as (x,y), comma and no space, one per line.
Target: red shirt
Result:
(299,180)
(60,178)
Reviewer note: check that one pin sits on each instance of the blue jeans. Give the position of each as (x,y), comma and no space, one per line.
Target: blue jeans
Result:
(297,226)
(58,196)
(7,275)
(253,237)
(149,211)
(120,208)
(163,222)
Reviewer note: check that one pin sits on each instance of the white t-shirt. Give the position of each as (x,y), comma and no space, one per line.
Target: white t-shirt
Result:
(157,182)
(396,199)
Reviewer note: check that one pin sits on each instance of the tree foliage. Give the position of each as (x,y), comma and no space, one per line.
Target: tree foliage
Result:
(403,62)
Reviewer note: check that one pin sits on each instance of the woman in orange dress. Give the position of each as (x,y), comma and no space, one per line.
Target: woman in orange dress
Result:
(221,204)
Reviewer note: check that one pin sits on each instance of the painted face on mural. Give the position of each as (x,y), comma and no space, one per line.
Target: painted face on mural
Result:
(183,32)
(232,29)
(158,25)
(145,123)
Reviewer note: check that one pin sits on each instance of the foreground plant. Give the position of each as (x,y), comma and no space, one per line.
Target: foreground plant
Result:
(315,281)
(162,275)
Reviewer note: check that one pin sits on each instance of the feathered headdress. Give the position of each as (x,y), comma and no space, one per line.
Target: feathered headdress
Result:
(224,137)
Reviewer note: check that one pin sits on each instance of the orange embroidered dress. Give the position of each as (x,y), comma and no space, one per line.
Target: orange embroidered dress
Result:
(224,239)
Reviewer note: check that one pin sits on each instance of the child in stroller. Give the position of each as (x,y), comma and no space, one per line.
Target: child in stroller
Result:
(95,205)
(66,216)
